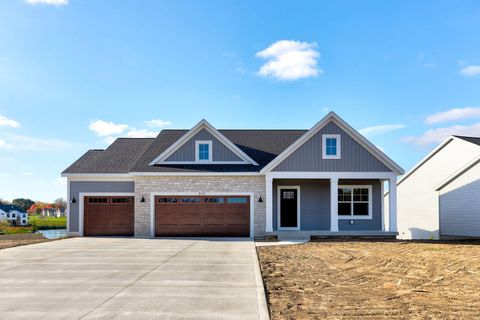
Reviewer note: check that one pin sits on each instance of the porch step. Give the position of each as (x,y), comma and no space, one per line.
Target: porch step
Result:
(293,236)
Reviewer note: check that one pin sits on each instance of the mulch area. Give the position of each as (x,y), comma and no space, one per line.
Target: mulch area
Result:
(372,280)
(15,240)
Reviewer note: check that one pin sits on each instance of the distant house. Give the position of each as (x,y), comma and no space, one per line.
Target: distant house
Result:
(13,214)
(440,196)
(52,212)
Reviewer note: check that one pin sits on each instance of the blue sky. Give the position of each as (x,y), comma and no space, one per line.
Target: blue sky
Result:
(74,74)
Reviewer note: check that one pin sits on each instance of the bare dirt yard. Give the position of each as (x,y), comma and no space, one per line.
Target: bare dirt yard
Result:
(14,240)
(372,280)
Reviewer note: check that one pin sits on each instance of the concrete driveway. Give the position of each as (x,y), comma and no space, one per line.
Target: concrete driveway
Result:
(93,278)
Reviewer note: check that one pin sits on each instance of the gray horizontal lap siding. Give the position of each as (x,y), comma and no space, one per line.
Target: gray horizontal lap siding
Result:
(354,157)
(77,187)
(315,205)
(187,152)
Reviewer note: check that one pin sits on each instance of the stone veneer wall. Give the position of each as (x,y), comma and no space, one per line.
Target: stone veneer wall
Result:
(144,185)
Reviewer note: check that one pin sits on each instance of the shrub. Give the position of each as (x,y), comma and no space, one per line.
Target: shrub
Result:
(4,226)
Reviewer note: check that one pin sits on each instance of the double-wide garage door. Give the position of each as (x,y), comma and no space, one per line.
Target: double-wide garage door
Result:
(108,216)
(223,216)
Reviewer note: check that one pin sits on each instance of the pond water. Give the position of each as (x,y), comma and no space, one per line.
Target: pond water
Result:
(54,233)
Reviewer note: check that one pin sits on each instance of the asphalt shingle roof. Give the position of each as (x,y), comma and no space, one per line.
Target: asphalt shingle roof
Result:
(134,155)
(119,157)
(474,140)
(11,207)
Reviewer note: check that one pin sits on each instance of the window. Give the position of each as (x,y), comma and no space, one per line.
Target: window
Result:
(23,221)
(236,200)
(96,200)
(8,215)
(190,200)
(331,148)
(288,194)
(120,200)
(14,215)
(167,200)
(214,200)
(354,202)
(203,151)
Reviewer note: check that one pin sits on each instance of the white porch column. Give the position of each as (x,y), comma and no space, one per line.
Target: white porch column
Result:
(269,203)
(334,204)
(392,204)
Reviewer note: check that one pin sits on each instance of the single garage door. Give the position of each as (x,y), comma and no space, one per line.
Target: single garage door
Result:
(193,216)
(108,216)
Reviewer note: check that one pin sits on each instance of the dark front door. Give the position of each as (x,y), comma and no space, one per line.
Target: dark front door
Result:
(288,208)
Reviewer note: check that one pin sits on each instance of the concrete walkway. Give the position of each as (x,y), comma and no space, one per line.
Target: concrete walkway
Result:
(93,278)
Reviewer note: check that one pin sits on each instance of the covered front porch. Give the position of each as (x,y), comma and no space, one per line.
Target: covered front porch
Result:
(340,204)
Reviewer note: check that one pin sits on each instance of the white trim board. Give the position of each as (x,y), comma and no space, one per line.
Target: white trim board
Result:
(203,124)
(330,175)
(193,174)
(81,204)
(338,138)
(458,173)
(333,117)
(279,209)
(154,194)
(197,151)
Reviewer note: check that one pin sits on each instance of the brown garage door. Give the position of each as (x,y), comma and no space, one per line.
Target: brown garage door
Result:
(212,216)
(108,216)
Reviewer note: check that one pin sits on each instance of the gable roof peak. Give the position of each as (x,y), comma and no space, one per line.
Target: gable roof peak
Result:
(332,116)
(203,124)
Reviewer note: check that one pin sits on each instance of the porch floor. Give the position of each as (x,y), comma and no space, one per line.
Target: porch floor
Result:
(302,234)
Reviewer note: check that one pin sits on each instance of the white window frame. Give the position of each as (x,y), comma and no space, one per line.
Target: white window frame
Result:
(197,151)
(324,146)
(279,194)
(370,201)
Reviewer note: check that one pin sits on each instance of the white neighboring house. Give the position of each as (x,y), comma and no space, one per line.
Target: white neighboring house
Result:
(52,212)
(440,196)
(13,214)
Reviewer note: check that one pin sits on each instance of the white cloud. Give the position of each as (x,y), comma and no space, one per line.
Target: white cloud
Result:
(109,140)
(421,59)
(290,60)
(157,123)
(3,143)
(141,133)
(48,2)
(26,173)
(470,71)
(377,130)
(435,136)
(104,128)
(4,121)
(25,143)
(454,115)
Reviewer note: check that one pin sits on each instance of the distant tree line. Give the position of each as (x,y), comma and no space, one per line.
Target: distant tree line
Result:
(35,207)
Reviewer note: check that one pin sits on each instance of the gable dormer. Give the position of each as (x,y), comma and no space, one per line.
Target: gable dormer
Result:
(203,144)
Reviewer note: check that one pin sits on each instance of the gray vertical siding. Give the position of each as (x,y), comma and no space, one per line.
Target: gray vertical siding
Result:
(315,205)
(187,151)
(77,187)
(354,157)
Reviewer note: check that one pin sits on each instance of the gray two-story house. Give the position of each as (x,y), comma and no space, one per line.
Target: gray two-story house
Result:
(328,180)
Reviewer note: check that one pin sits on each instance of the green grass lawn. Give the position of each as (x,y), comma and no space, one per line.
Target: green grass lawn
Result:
(37,222)
(43,223)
